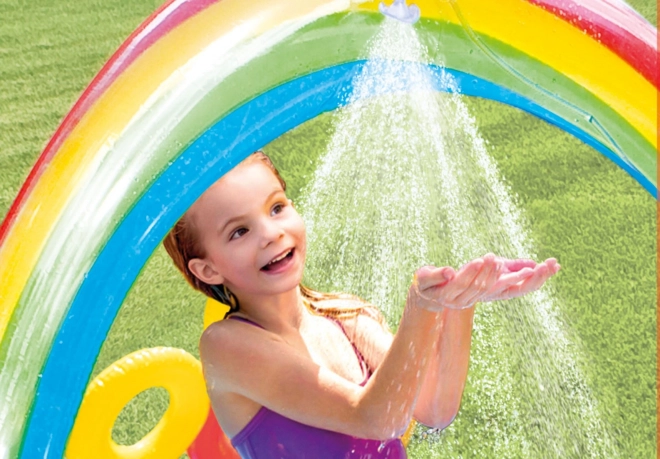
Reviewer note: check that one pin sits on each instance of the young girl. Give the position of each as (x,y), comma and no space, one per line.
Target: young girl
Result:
(288,375)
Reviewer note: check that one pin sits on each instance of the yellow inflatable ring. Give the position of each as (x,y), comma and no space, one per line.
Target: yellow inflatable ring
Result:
(173,369)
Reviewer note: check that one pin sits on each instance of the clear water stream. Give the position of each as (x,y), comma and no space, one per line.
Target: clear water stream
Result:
(407,181)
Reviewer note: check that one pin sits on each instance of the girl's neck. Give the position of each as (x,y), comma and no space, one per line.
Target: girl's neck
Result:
(276,313)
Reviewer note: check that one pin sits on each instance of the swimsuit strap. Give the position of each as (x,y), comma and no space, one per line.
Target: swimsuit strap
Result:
(243,319)
(363,364)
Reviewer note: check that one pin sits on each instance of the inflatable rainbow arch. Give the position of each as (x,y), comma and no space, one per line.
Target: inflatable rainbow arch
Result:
(202,84)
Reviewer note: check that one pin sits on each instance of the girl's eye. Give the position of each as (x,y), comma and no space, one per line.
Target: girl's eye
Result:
(277,208)
(238,233)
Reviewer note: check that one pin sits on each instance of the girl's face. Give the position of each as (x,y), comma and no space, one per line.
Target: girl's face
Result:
(253,238)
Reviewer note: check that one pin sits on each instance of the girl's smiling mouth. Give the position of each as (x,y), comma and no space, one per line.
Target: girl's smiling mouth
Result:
(279,263)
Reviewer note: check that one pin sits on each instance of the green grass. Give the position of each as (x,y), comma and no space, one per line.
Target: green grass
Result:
(579,208)
(601,226)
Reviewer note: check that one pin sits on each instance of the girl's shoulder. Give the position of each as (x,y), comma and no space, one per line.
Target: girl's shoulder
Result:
(230,350)
(227,337)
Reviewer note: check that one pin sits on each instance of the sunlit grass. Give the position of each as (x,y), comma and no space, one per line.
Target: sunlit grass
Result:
(580,208)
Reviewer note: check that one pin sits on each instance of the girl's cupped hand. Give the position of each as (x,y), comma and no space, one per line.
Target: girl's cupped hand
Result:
(488,278)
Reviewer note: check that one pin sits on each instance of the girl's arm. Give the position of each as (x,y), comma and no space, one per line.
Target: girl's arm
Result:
(442,390)
(259,365)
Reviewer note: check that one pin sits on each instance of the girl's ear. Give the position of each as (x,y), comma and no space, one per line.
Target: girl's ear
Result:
(205,272)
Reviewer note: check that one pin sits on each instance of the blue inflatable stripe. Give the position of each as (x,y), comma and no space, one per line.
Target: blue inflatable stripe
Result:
(221,147)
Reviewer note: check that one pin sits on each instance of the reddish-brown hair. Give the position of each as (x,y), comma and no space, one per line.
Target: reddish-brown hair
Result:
(182,245)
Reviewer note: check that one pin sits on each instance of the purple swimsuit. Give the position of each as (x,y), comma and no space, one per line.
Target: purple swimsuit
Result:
(272,436)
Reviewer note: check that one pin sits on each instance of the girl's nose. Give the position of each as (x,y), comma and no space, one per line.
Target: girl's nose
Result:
(271,232)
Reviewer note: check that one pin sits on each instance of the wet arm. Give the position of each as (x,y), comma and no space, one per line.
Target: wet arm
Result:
(442,389)
(241,359)
(395,386)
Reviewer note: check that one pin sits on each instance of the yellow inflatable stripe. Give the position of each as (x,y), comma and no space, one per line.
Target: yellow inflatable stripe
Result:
(109,117)
(106,119)
(559,45)
(214,312)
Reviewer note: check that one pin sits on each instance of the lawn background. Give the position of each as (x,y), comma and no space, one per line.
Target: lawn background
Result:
(577,204)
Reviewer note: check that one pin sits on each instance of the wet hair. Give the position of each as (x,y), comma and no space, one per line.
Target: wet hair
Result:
(182,244)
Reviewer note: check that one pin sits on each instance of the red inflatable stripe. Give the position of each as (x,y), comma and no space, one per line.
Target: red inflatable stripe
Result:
(614,28)
(211,442)
(150,31)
